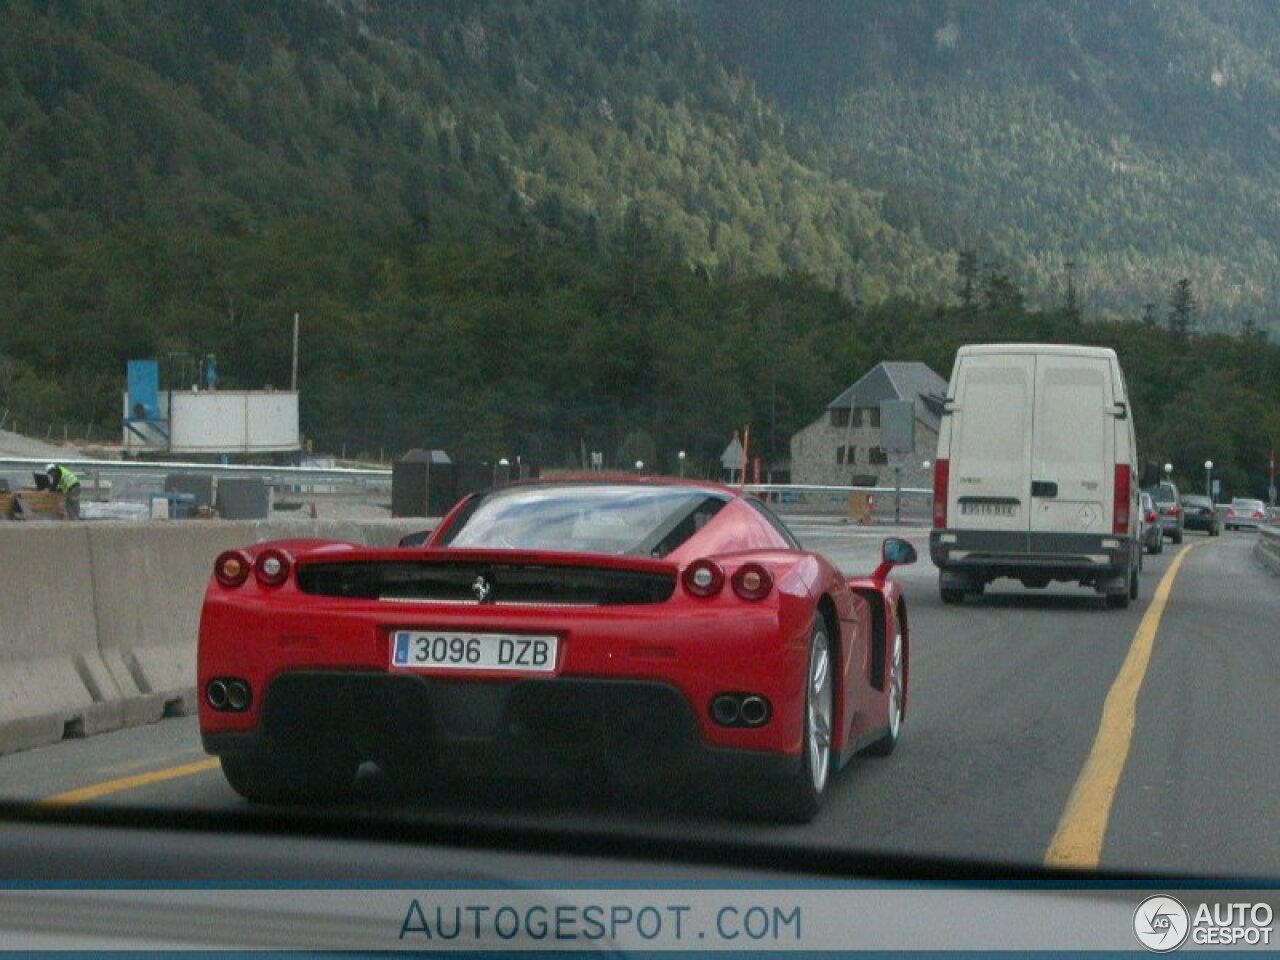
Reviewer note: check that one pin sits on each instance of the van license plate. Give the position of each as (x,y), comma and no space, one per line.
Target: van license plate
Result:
(989,509)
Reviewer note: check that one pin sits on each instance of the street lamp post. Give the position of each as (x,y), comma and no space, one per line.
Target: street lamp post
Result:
(1208,480)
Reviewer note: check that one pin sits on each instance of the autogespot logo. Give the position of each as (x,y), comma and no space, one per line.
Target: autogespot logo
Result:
(1161,924)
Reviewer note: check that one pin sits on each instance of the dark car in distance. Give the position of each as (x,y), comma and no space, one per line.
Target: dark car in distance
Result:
(1199,513)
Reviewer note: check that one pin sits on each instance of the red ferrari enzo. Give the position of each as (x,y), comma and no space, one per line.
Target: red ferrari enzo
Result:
(637,626)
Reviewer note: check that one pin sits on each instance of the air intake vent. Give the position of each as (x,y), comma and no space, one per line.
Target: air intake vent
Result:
(486,583)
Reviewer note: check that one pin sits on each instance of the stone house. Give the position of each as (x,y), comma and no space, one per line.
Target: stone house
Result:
(844,447)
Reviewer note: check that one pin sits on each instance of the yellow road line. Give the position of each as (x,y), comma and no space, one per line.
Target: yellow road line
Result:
(1078,840)
(94,791)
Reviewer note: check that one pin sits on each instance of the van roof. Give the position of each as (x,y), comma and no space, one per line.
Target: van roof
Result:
(1061,349)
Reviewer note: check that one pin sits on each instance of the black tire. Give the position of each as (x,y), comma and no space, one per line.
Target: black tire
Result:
(1133,579)
(897,692)
(951,595)
(798,798)
(277,776)
(1177,535)
(1120,601)
(1214,531)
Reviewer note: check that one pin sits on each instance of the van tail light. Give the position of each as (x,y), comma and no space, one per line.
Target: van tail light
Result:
(1123,490)
(941,474)
(1174,510)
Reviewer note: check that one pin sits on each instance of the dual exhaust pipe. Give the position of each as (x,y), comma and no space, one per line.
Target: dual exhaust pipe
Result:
(229,694)
(740,710)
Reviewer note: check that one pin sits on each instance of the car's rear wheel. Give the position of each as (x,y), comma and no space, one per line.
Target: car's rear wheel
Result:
(1177,535)
(897,693)
(951,595)
(291,776)
(801,795)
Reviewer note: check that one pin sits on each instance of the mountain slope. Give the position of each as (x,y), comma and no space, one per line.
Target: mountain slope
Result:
(1134,141)
(182,176)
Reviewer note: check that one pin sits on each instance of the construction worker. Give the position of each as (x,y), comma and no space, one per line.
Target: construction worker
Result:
(63,481)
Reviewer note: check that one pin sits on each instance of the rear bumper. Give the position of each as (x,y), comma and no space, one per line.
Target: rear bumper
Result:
(988,554)
(284,644)
(632,730)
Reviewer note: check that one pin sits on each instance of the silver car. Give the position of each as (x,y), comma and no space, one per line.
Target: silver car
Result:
(1152,528)
(1246,513)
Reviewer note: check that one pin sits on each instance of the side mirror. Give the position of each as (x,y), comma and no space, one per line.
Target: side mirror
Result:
(894,552)
(898,551)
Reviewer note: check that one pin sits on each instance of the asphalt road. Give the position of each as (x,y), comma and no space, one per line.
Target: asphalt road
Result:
(1006,711)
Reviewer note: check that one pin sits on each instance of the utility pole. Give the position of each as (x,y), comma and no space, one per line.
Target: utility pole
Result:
(293,379)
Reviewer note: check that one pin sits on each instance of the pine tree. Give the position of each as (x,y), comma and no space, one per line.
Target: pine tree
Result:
(1182,309)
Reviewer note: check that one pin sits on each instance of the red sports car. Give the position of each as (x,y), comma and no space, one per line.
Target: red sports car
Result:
(636,626)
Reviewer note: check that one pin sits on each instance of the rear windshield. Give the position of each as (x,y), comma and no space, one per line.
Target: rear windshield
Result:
(585,518)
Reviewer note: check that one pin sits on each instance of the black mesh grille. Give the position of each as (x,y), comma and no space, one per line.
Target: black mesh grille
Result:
(477,583)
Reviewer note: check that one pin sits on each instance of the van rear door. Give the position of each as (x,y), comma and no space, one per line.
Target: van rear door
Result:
(991,427)
(1073,447)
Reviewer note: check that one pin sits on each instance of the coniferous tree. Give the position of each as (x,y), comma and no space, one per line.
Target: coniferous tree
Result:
(1182,309)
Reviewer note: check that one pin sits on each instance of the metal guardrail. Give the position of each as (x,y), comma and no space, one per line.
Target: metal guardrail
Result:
(354,478)
(832,488)
(891,497)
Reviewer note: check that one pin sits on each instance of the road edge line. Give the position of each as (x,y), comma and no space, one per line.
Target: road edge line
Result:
(1077,843)
(108,787)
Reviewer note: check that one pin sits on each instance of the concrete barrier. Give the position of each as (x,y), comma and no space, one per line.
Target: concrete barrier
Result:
(1267,549)
(53,681)
(98,621)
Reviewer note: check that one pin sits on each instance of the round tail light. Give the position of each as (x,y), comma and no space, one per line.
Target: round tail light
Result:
(272,567)
(752,582)
(703,578)
(231,568)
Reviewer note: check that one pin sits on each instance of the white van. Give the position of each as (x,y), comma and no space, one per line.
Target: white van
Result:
(1036,477)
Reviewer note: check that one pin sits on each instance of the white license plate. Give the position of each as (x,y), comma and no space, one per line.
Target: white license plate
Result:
(990,509)
(442,650)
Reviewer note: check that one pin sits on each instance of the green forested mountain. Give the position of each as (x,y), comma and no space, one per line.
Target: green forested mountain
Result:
(1134,140)
(186,175)
(553,226)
